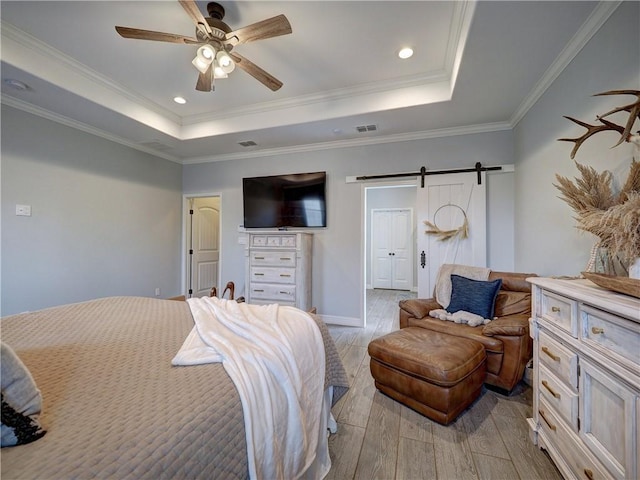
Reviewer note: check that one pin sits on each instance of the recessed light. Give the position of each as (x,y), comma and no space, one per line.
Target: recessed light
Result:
(405,53)
(179,100)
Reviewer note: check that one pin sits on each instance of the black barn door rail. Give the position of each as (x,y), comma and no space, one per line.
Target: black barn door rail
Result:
(423,171)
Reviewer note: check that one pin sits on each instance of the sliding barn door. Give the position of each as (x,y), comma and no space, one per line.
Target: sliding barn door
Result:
(445,201)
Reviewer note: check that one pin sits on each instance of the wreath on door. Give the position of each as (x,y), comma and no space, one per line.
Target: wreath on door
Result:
(461,232)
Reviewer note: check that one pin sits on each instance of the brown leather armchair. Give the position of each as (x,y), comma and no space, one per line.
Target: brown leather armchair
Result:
(506,339)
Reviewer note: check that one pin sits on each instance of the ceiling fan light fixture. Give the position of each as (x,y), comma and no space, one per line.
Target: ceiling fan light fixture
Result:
(218,72)
(200,64)
(204,57)
(223,58)
(207,52)
(225,62)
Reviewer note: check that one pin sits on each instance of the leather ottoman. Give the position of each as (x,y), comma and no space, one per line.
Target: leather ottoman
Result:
(436,374)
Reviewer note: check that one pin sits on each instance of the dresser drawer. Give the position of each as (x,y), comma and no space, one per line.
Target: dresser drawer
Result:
(558,358)
(273,258)
(273,240)
(572,450)
(273,275)
(266,301)
(277,293)
(560,311)
(559,396)
(614,335)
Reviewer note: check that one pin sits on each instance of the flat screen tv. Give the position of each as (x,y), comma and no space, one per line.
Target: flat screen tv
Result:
(283,201)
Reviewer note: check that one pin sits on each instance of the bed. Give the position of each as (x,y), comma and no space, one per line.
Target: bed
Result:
(114,406)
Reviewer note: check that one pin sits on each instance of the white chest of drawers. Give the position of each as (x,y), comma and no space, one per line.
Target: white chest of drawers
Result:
(278,268)
(586,402)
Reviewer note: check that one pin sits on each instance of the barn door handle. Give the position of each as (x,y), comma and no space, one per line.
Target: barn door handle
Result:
(423,259)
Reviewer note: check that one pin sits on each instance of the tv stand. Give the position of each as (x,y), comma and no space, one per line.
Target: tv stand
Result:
(278,268)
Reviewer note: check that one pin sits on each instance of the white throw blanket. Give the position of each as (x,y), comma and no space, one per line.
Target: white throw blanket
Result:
(443,279)
(275,357)
(460,316)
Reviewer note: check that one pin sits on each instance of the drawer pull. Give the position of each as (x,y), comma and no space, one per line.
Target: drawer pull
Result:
(285,258)
(285,293)
(597,330)
(546,385)
(256,290)
(588,473)
(549,424)
(555,309)
(259,258)
(553,357)
(285,275)
(258,274)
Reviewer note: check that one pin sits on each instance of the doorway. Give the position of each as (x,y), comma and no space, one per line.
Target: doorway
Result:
(202,245)
(450,198)
(389,220)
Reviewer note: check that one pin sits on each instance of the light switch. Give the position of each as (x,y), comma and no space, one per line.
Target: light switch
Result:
(23,210)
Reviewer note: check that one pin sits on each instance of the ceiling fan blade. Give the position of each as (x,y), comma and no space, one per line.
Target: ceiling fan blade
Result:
(255,71)
(271,27)
(205,81)
(139,34)
(196,15)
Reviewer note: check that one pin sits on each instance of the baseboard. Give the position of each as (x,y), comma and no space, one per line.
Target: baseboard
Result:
(342,321)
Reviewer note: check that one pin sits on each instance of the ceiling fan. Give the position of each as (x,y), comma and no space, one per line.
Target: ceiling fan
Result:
(214,58)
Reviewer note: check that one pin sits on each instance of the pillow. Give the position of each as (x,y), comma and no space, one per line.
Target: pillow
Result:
(21,401)
(475,296)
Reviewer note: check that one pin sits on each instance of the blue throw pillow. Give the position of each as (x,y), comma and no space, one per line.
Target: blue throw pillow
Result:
(475,296)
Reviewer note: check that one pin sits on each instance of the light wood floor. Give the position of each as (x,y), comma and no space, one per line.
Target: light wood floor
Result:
(379,438)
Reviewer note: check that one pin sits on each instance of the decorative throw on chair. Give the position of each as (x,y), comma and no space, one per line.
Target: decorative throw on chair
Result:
(465,299)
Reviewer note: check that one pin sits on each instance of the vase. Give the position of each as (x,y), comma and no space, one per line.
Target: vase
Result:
(634,269)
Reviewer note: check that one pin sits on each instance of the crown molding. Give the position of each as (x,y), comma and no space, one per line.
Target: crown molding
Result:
(588,29)
(39,48)
(458,34)
(355,142)
(69,122)
(323,97)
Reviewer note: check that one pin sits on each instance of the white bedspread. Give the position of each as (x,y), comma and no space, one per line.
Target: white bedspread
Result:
(275,357)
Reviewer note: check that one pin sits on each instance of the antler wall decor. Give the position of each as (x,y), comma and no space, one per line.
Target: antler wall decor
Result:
(606,125)
(613,218)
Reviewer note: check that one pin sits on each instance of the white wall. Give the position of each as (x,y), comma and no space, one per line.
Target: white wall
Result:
(338,259)
(106,219)
(547,241)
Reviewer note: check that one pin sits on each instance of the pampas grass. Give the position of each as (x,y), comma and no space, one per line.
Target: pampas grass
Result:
(613,218)
(442,235)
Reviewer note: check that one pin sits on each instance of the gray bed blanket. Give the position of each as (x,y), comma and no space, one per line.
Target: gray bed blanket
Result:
(113,405)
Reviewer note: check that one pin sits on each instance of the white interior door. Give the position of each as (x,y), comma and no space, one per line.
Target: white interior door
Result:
(444,201)
(392,248)
(205,245)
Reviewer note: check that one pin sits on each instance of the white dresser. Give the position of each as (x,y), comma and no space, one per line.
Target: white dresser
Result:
(586,390)
(278,268)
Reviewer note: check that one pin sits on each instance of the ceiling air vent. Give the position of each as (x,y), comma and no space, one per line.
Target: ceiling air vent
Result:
(366,128)
(248,143)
